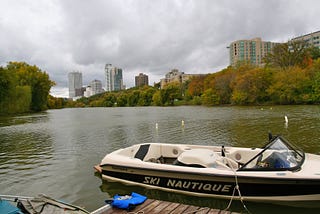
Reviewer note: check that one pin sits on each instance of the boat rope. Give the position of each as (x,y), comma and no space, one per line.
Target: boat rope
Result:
(235,188)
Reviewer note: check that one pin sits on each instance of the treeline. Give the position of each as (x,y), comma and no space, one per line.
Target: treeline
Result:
(243,85)
(291,76)
(23,88)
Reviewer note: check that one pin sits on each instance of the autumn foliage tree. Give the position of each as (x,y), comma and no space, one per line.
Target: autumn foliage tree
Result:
(196,86)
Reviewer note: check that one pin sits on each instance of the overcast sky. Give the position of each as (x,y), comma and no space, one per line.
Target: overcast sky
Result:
(142,36)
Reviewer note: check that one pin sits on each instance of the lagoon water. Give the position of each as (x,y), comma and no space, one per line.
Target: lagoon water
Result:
(54,152)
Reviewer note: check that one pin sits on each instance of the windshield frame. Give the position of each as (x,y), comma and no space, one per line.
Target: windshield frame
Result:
(291,148)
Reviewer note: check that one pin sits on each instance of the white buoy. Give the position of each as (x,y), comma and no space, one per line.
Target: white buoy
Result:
(157,126)
(286,120)
(182,123)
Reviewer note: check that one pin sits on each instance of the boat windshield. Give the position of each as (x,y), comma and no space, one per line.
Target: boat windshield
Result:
(278,155)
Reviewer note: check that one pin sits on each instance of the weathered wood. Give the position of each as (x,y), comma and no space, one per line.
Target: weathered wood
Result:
(161,207)
(170,207)
(180,209)
(152,206)
(192,210)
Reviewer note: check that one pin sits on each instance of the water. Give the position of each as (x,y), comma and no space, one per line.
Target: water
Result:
(54,152)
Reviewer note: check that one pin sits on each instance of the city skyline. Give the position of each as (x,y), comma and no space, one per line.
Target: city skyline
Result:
(152,37)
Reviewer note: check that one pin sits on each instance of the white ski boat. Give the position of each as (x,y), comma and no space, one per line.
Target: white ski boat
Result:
(278,172)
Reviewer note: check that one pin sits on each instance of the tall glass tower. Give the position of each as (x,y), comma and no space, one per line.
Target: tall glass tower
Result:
(113,77)
(75,84)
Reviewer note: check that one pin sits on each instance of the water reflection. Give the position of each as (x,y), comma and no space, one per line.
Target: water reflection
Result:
(25,152)
(23,119)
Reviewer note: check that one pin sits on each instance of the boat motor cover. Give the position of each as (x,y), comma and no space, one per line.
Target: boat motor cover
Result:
(127,202)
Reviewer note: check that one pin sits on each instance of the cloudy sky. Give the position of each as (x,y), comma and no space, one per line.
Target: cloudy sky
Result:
(142,36)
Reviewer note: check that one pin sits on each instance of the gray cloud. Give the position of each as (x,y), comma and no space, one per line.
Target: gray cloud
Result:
(153,37)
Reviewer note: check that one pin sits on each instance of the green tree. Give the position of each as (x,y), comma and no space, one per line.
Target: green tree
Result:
(8,83)
(109,100)
(35,78)
(314,52)
(289,54)
(133,97)
(316,88)
(157,98)
(122,99)
(170,93)
(209,97)
(291,86)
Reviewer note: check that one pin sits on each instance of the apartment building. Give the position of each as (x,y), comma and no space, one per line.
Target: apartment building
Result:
(175,76)
(311,39)
(252,51)
(141,80)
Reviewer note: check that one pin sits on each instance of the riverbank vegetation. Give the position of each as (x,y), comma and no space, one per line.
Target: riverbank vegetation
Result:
(291,75)
(23,88)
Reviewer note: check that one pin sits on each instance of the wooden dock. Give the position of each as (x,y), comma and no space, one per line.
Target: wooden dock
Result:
(151,206)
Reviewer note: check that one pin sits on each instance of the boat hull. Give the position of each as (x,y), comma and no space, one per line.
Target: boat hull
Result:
(221,186)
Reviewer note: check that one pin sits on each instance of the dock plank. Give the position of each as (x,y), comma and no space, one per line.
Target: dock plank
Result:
(191,210)
(216,211)
(161,207)
(170,207)
(152,206)
(180,209)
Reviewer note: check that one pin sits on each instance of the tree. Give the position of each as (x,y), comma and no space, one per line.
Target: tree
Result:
(8,83)
(314,52)
(35,78)
(145,97)
(209,97)
(250,87)
(133,97)
(196,86)
(122,99)
(23,88)
(291,86)
(316,88)
(223,86)
(170,93)
(109,100)
(157,99)
(288,54)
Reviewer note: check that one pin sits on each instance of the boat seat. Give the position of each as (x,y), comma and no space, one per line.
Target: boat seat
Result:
(142,151)
(198,157)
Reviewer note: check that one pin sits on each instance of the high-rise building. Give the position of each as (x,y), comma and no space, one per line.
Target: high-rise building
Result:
(75,84)
(96,87)
(141,80)
(311,39)
(252,51)
(113,77)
